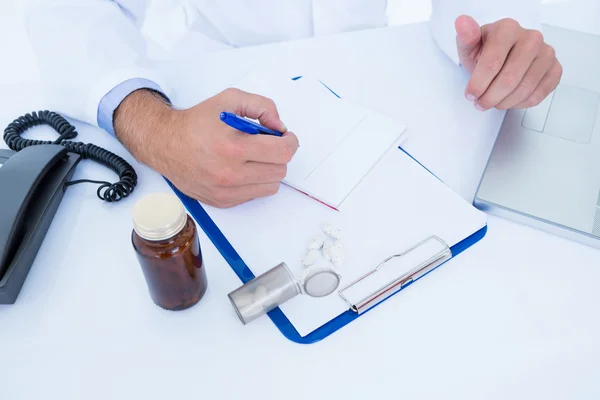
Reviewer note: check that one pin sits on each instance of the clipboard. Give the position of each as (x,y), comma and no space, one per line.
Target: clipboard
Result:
(423,256)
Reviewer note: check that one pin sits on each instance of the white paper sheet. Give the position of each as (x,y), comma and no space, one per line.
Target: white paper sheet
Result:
(339,141)
(396,205)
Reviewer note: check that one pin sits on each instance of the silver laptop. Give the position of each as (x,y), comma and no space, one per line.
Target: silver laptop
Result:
(544,169)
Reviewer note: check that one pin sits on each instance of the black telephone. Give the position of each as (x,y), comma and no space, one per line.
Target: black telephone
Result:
(34,176)
(34,182)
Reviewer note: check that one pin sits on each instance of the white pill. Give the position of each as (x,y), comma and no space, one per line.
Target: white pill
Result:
(316,243)
(251,310)
(327,246)
(244,299)
(260,294)
(331,231)
(338,244)
(310,258)
(273,301)
(337,256)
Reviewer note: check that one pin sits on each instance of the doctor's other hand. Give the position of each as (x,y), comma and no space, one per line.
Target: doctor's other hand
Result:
(510,66)
(205,158)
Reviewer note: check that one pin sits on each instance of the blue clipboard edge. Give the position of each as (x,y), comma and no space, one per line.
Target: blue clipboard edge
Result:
(245,274)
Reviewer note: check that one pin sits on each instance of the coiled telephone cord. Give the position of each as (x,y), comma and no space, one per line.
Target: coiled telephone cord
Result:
(109,192)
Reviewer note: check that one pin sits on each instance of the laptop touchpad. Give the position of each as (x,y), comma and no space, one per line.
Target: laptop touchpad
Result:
(570,115)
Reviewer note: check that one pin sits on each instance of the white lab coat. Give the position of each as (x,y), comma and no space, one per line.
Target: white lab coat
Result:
(85,48)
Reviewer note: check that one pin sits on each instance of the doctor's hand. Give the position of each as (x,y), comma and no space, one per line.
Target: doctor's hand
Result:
(510,67)
(205,158)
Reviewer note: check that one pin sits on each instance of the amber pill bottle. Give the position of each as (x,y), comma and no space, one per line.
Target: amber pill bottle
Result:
(166,243)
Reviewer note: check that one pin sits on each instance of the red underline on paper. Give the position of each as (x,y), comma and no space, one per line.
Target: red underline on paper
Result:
(325,204)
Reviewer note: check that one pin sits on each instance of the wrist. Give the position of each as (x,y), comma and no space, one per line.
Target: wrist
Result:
(142,122)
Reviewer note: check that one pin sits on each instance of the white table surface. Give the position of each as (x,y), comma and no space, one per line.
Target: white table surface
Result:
(513,317)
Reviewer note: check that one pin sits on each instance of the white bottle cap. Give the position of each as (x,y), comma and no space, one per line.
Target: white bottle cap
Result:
(158,216)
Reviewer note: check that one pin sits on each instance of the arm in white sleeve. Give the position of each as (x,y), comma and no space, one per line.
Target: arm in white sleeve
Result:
(91,54)
(445,12)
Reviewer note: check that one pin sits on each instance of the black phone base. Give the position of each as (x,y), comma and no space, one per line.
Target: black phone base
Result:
(24,234)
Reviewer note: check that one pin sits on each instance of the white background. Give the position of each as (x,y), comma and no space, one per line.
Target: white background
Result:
(523,326)
(15,46)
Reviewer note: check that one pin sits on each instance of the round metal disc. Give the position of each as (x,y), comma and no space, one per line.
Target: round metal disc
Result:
(321,283)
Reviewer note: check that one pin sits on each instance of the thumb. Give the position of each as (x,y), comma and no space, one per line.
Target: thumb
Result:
(261,108)
(468,41)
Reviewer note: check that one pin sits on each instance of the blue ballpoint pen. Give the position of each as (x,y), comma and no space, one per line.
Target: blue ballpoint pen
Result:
(246,125)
